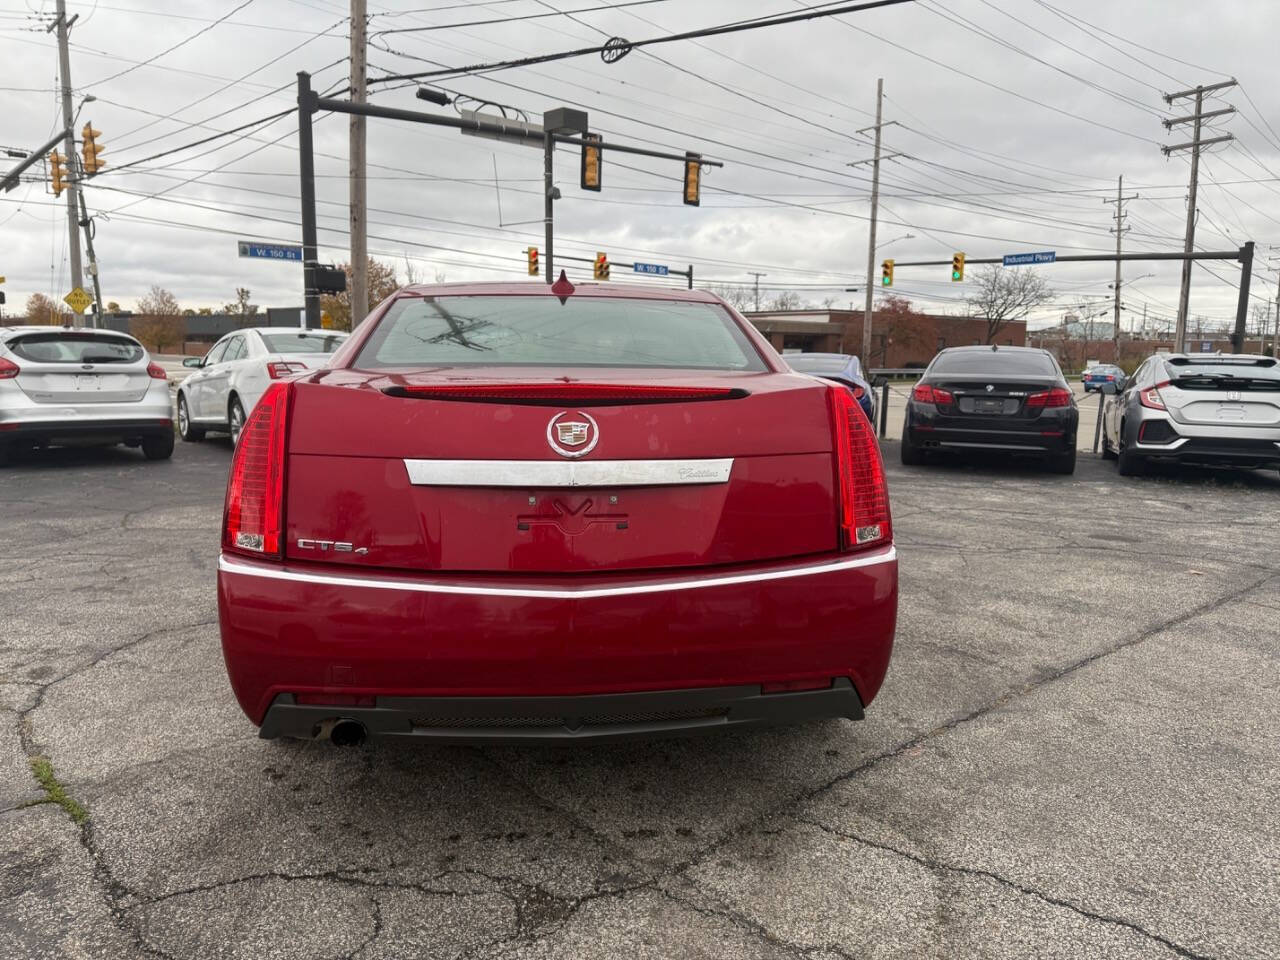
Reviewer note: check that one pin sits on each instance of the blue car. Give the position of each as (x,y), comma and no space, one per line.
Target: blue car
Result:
(1095,377)
(839,368)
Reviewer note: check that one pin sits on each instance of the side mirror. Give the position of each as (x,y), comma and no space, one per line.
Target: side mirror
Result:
(193,361)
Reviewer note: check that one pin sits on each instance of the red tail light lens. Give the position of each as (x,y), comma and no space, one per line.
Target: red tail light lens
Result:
(1057,397)
(1151,398)
(156,372)
(858,393)
(863,492)
(281,369)
(8,369)
(928,393)
(557,393)
(253,522)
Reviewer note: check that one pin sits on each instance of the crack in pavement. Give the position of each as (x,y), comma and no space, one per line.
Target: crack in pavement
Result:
(937,866)
(700,855)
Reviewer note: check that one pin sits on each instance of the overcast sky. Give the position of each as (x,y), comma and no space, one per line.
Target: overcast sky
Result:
(1012,121)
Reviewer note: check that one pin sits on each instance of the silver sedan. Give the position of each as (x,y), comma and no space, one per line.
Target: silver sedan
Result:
(1202,408)
(63,386)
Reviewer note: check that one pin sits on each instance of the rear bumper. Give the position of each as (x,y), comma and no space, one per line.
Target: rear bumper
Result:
(118,428)
(1052,433)
(321,630)
(1237,451)
(602,717)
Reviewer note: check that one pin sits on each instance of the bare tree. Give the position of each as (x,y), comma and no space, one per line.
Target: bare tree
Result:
(736,295)
(240,306)
(786,300)
(159,302)
(1002,296)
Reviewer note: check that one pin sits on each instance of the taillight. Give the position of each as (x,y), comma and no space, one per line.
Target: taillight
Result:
(559,393)
(928,393)
(1151,398)
(858,393)
(156,372)
(1057,397)
(1110,378)
(863,492)
(253,522)
(8,369)
(280,369)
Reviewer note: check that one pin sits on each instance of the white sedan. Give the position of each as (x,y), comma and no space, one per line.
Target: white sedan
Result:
(228,380)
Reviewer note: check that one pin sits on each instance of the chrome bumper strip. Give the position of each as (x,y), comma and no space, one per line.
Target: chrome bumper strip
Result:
(233,565)
(563,473)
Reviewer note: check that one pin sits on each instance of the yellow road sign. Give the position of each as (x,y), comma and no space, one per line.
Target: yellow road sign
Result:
(78,300)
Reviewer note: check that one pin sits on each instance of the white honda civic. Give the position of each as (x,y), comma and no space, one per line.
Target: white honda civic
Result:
(229,379)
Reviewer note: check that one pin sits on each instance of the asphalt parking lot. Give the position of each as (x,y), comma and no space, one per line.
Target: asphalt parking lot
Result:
(1076,754)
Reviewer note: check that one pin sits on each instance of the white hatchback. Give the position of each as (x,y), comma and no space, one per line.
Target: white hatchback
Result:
(62,386)
(229,379)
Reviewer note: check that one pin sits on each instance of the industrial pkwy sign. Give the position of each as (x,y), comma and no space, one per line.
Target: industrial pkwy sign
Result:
(1021,259)
(269,251)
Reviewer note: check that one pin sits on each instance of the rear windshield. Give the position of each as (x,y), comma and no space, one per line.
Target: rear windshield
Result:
(1261,373)
(541,331)
(302,342)
(71,347)
(994,361)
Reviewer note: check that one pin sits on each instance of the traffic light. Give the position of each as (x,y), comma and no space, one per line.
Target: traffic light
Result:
(57,173)
(91,150)
(886,274)
(600,268)
(957,267)
(693,179)
(533,260)
(592,160)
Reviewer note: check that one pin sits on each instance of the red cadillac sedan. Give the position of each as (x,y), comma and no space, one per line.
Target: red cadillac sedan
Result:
(517,512)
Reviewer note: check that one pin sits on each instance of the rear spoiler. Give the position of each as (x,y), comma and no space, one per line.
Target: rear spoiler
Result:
(558,394)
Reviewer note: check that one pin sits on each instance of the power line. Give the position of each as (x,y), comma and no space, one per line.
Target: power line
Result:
(622,47)
(530,16)
(181,43)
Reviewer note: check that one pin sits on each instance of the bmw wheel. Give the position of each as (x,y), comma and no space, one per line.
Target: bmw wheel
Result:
(186,429)
(235,419)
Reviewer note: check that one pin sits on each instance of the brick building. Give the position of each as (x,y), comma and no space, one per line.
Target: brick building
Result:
(897,341)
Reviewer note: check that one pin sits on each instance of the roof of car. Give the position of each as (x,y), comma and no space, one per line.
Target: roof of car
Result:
(534,288)
(58,328)
(297,330)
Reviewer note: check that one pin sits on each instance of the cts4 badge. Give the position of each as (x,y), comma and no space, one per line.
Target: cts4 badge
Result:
(574,437)
(327,546)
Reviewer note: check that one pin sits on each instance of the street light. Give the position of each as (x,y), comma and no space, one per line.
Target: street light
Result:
(905,236)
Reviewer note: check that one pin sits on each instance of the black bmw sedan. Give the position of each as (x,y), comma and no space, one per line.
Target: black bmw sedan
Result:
(995,399)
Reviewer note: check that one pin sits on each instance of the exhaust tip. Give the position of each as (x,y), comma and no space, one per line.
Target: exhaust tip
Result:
(348,733)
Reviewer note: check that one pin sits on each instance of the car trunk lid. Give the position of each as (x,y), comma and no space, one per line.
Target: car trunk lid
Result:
(588,470)
(76,367)
(979,396)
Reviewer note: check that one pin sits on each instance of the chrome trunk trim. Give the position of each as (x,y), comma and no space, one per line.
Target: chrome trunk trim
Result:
(236,566)
(555,473)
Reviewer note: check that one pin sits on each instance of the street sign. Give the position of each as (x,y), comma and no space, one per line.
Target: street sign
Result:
(1020,259)
(78,300)
(269,251)
(657,269)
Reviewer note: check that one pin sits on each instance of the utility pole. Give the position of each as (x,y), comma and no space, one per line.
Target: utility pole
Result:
(358,183)
(549,196)
(871,239)
(1119,230)
(88,241)
(1275,330)
(1194,145)
(757,276)
(307,190)
(69,148)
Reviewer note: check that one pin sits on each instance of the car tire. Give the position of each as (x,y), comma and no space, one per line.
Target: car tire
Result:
(1107,452)
(186,429)
(235,418)
(1063,463)
(158,446)
(912,455)
(6,454)
(1129,464)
